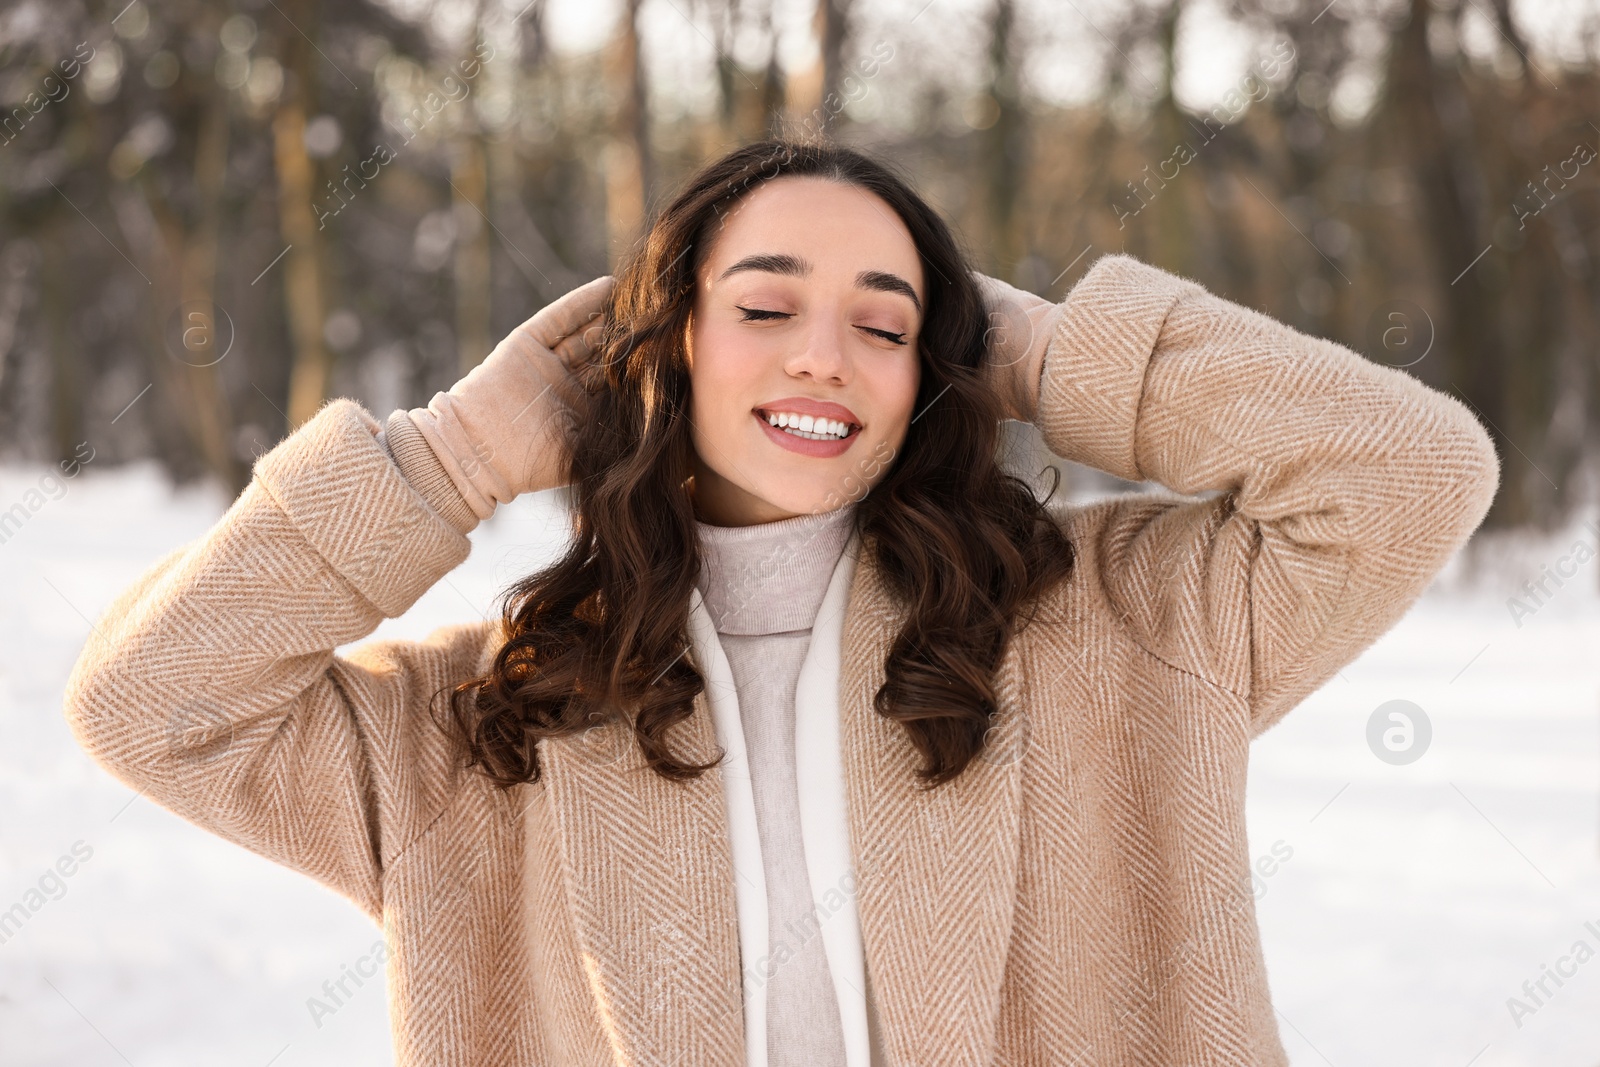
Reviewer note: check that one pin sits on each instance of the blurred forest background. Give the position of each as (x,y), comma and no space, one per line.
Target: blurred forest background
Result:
(216,213)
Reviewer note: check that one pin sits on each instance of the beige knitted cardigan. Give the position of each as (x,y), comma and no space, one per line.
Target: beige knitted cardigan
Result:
(1081,894)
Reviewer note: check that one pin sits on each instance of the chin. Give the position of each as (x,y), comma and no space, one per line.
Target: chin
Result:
(792,500)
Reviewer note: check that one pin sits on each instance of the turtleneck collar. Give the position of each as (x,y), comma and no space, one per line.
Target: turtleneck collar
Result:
(771,577)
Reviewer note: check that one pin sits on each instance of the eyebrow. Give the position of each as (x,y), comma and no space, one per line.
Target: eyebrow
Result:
(783,263)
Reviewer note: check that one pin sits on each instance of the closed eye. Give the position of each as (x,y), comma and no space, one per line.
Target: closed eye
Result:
(761,314)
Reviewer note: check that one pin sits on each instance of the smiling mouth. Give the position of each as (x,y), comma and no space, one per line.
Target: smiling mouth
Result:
(819,430)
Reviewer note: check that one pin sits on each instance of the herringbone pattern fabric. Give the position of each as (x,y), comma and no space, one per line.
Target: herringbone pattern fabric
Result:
(1081,895)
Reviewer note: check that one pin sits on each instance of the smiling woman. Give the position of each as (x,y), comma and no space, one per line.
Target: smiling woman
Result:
(826,742)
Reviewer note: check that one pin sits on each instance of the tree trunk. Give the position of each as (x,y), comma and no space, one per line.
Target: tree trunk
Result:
(627,156)
(832,29)
(213,417)
(470,188)
(297,178)
(66,371)
(199,333)
(1004,153)
(1445,170)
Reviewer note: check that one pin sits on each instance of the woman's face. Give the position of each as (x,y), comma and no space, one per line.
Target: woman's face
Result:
(809,303)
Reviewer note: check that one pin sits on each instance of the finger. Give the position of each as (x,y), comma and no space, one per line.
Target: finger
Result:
(570,312)
(987,289)
(577,346)
(997,292)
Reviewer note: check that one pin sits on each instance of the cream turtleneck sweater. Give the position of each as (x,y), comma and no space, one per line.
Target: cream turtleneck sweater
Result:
(762,587)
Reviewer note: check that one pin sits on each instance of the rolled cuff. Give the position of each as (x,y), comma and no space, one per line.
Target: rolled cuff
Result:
(444,424)
(418,462)
(1095,363)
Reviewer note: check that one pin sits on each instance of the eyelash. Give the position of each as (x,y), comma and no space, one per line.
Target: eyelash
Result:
(757,314)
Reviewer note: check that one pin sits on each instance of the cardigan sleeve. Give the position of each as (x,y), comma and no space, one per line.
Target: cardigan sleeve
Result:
(1340,486)
(212,685)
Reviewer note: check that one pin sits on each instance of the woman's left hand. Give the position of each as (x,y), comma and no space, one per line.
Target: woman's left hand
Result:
(1020,327)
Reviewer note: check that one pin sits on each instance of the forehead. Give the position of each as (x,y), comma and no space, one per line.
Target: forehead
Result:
(839,228)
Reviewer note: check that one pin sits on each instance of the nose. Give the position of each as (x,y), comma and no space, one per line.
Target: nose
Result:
(823,351)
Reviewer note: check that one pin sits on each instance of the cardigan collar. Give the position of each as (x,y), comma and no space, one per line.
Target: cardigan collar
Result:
(933,871)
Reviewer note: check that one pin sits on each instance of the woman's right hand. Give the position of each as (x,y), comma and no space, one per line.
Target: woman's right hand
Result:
(500,431)
(1021,325)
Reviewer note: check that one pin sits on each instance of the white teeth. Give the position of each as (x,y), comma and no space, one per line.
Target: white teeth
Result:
(807,426)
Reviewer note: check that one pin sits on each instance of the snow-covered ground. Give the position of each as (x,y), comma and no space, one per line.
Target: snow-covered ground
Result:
(1407,902)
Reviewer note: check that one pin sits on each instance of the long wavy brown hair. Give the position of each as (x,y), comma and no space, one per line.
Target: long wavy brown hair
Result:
(603,632)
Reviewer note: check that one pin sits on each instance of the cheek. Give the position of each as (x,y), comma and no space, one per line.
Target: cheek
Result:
(897,385)
(719,378)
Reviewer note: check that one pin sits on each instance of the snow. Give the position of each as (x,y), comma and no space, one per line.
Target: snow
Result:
(1415,899)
